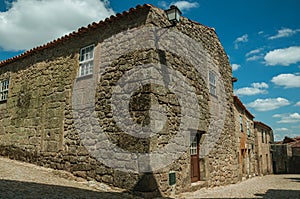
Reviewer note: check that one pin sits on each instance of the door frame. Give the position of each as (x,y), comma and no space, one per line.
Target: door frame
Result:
(194,156)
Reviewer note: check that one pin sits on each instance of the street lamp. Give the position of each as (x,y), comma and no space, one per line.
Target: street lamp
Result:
(173,14)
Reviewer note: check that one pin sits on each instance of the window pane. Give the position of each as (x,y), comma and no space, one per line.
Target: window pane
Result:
(81,70)
(90,67)
(86,69)
(6,83)
(212,89)
(212,78)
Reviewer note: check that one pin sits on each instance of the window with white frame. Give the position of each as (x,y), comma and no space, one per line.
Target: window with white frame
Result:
(212,83)
(193,146)
(86,61)
(241,123)
(4,90)
(248,128)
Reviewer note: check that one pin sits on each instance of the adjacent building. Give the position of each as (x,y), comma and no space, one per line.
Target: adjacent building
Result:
(246,140)
(286,155)
(264,139)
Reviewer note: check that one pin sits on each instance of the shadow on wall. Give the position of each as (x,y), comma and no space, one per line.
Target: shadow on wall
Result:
(147,187)
(277,193)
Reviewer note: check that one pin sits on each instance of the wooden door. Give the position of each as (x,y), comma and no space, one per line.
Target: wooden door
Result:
(194,151)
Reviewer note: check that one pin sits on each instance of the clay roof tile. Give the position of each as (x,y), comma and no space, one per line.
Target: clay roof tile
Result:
(73,34)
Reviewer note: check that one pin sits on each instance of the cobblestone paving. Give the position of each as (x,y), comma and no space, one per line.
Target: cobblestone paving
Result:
(271,186)
(22,180)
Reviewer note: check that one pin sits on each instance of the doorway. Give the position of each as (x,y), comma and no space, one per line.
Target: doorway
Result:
(194,152)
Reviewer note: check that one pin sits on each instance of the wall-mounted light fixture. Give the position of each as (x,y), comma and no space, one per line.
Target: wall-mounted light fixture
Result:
(173,14)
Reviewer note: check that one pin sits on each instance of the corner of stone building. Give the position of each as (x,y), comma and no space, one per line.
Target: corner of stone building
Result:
(74,157)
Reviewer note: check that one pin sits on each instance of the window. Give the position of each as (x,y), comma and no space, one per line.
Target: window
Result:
(4,90)
(248,128)
(212,83)
(193,146)
(86,61)
(262,136)
(172,178)
(241,123)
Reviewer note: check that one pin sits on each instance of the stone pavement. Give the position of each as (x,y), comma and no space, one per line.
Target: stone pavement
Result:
(285,186)
(23,180)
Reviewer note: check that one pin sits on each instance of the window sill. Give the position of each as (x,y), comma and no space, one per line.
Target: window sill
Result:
(213,95)
(3,101)
(84,77)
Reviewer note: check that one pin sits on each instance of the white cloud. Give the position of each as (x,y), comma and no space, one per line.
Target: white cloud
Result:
(235,67)
(241,39)
(255,51)
(268,104)
(29,23)
(283,56)
(284,32)
(255,89)
(282,129)
(254,58)
(295,127)
(254,55)
(287,80)
(163,4)
(260,85)
(185,5)
(249,91)
(297,104)
(288,117)
(260,32)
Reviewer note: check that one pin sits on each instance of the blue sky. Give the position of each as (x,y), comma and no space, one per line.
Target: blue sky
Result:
(262,39)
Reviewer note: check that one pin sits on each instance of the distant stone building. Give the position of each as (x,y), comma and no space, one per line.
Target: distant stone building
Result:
(264,139)
(49,116)
(244,126)
(286,156)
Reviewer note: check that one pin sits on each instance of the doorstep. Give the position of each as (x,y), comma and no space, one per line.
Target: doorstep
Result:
(197,185)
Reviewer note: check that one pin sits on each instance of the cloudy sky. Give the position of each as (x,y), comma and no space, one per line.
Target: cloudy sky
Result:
(262,39)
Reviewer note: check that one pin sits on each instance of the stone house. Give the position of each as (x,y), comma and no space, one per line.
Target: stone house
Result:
(75,104)
(264,139)
(286,155)
(246,140)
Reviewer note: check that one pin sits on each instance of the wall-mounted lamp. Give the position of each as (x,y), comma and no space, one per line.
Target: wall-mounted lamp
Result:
(173,14)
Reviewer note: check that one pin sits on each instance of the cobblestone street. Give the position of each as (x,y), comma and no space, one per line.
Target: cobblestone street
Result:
(22,180)
(271,186)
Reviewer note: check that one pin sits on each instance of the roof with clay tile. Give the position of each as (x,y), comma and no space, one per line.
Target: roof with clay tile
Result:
(261,124)
(240,103)
(81,30)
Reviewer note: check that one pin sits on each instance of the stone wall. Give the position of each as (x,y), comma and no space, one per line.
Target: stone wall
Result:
(38,122)
(281,155)
(285,158)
